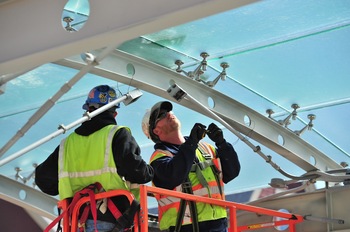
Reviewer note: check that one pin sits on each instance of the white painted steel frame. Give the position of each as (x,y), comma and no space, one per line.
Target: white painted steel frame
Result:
(33,199)
(155,79)
(32,35)
(24,46)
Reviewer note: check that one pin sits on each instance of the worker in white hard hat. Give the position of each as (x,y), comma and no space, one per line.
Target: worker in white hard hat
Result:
(187,164)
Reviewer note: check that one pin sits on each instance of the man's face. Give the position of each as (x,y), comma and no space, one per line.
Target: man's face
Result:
(166,123)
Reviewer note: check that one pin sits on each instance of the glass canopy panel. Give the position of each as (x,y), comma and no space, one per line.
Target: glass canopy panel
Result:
(32,89)
(265,23)
(309,71)
(328,133)
(273,48)
(27,93)
(279,52)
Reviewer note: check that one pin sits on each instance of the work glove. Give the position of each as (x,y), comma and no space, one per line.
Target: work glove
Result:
(215,134)
(198,132)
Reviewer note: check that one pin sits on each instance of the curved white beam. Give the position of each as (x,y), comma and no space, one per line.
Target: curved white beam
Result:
(27,197)
(155,79)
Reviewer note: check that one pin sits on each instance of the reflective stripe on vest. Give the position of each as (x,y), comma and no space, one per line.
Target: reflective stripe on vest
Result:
(88,159)
(63,173)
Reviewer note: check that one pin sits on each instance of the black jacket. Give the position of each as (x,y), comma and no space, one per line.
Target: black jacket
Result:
(172,171)
(126,153)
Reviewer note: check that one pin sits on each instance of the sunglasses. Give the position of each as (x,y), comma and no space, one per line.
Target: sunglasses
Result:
(161,116)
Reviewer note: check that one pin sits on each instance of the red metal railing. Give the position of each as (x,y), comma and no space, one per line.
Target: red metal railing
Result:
(141,218)
(290,219)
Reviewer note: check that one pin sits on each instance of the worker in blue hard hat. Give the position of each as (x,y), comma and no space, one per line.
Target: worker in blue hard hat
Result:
(97,151)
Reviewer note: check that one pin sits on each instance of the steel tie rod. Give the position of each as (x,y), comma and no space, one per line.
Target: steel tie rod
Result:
(178,94)
(127,99)
(91,63)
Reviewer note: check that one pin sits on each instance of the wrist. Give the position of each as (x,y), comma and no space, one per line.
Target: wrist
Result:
(220,142)
(192,141)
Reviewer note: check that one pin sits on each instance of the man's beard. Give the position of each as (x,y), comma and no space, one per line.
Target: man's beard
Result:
(170,128)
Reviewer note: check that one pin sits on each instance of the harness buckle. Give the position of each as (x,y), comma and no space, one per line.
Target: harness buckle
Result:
(81,227)
(207,156)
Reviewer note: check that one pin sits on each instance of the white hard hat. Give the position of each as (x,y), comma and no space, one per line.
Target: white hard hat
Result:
(145,123)
(150,117)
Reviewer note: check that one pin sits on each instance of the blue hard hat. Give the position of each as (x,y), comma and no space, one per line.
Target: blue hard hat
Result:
(99,96)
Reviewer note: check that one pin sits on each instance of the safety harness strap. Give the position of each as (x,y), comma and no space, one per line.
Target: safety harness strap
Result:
(207,163)
(187,188)
(125,220)
(202,165)
(90,191)
(197,169)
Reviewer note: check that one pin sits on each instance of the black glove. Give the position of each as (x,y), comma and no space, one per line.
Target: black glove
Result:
(215,134)
(198,132)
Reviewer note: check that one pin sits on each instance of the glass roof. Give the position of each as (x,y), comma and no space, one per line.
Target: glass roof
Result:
(279,53)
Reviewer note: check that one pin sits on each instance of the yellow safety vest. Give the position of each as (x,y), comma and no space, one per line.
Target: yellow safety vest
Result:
(84,160)
(204,183)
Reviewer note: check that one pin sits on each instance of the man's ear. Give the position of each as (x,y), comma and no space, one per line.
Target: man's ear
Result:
(115,114)
(156,131)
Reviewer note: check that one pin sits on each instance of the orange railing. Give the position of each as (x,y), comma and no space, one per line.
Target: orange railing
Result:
(71,224)
(290,219)
(141,218)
